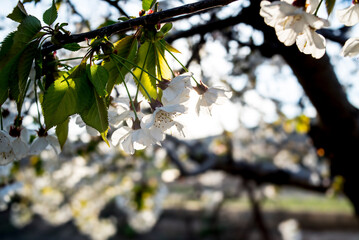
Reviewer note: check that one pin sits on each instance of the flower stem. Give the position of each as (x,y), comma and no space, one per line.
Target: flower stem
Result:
(134,64)
(1,121)
(178,61)
(37,104)
(316,11)
(139,82)
(69,59)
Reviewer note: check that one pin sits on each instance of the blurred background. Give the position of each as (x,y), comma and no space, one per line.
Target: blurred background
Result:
(257,167)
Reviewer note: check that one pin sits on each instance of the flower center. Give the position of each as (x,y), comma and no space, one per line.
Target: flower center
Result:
(164,120)
(355,1)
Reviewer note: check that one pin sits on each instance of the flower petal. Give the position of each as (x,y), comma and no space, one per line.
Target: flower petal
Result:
(349,16)
(38,145)
(351,47)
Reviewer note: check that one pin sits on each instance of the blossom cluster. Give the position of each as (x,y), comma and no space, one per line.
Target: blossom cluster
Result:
(16,141)
(143,130)
(296,22)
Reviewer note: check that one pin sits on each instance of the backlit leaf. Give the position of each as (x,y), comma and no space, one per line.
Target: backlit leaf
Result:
(98,76)
(68,95)
(96,116)
(126,48)
(147,60)
(147,4)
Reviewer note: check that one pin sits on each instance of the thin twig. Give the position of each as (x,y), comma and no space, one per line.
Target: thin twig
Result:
(150,19)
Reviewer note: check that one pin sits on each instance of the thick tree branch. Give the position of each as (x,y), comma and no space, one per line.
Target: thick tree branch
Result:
(151,19)
(257,172)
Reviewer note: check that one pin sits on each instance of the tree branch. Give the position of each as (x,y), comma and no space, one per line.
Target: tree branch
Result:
(150,19)
(257,172)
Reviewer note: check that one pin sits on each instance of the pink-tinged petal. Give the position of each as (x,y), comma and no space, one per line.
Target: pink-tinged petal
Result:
(20,148)
(38,145)
(351,47)
(349,16)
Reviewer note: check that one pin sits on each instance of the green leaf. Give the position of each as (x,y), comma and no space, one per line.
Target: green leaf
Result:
(127,49)
(329,5)
(19,81)
(62,131)
(147,60)
(163,69)
(166,28)
(6,44)
(27,30)
(98,76)
(68,95)
(72,47)
(50,15)
(19,13)
(96,116)
(5,73)
(147,4)
(169,47)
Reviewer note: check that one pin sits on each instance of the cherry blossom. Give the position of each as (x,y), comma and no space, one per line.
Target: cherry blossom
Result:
(350,15)
(163,119)
(210,96)
(44,140)
(311,42)
(291,21)
(351,47)
(6,152)
(177,90)
(131,139)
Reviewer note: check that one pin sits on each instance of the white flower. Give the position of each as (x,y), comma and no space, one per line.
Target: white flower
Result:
(13,148)
(162,120)
(6,152)
(178,89)
(131,139)
(40,143)
(350,15)
(292,21)
(311,42)
(120,111)
(351,47)
(210,96)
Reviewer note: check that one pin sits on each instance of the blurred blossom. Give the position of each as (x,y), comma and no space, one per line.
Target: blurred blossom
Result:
(143,220)
(289,230)
(211,178)
(6,193)
(21,215)
(170,175)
